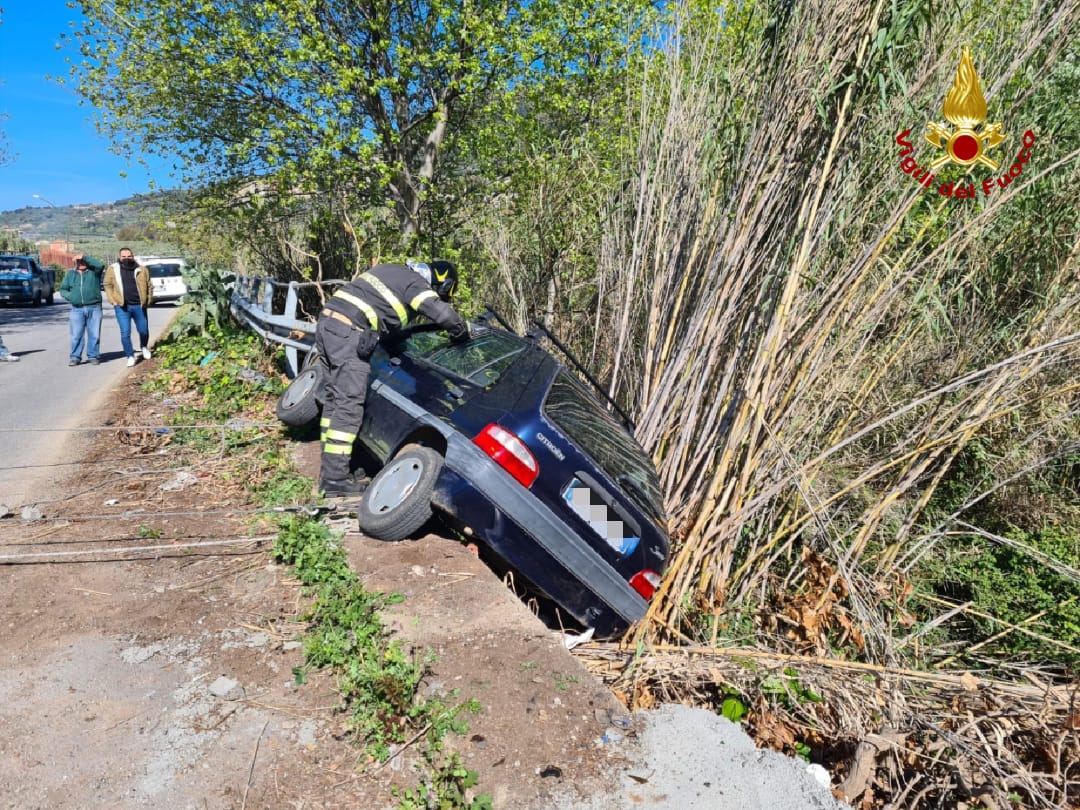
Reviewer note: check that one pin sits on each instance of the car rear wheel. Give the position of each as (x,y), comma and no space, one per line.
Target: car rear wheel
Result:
(299,403)
(398,500)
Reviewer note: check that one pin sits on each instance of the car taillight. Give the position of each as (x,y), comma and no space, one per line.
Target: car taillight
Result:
(509,452)
(645,582)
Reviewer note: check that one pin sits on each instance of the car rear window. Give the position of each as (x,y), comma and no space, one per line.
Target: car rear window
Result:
(165,270)
(577,414)
(481,360)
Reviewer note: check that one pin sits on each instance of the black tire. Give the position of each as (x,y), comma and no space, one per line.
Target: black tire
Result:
(397,502)
(49,299)
(37,299)
(299,403)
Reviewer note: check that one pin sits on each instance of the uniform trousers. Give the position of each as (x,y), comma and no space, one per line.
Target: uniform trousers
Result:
(344,349)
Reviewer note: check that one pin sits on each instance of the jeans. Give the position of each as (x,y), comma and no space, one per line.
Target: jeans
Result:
(85,328)
(124,316)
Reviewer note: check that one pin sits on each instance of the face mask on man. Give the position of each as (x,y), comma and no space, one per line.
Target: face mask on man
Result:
(127,264)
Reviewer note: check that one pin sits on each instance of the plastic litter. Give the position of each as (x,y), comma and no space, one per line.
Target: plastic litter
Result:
(250,375)
(180,480)
(819,773)
(570,641)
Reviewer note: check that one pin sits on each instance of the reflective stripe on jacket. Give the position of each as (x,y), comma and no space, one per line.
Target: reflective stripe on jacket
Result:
(389,296)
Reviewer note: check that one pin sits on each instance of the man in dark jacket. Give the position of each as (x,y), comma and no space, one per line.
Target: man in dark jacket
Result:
(371,306)
(82,289)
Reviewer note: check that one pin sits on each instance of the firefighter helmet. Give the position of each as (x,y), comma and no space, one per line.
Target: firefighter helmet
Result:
(444,278)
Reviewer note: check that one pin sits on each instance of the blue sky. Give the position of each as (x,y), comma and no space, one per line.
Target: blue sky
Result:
(58,154)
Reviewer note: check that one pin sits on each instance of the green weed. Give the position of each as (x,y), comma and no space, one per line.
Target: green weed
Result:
(788,690)
(377,679)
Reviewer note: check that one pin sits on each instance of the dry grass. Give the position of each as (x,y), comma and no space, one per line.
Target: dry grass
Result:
(938,735)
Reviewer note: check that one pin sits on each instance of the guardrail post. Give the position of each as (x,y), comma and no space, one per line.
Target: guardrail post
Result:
(292,301)
(268,297)
(252,303)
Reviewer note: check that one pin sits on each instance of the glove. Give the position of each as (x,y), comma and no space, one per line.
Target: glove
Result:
(463,337)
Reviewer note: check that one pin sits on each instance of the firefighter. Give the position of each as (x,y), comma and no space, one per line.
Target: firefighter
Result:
(374,305)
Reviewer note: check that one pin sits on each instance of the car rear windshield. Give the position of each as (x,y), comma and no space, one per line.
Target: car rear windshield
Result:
(165,270)
(481,360)
(577,414)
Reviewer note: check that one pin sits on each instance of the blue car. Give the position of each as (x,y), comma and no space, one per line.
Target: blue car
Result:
(513,451)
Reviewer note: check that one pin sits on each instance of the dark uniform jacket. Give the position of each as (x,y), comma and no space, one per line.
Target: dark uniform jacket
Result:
(388,296)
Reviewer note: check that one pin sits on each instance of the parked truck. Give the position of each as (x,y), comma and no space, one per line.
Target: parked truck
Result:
(24,281)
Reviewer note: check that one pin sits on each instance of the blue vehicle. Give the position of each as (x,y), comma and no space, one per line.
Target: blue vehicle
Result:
(512,450)
(24,281)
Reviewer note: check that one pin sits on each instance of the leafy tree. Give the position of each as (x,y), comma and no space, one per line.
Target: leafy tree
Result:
(11,241)
(330,101)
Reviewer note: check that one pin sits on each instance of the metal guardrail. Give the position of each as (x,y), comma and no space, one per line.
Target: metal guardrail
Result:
(252,302)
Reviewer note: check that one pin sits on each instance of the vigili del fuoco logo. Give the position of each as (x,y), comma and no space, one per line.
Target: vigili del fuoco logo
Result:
(968,143)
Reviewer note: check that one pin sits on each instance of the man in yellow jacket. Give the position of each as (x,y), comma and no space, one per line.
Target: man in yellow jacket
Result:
(127,286)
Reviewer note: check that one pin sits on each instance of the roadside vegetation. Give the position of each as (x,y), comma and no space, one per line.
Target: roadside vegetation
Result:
(861,394)
(222,383)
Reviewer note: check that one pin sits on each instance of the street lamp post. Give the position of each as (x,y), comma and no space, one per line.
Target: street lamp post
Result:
(47,202)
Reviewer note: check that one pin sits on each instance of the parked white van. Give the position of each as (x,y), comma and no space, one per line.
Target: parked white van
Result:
(166,277)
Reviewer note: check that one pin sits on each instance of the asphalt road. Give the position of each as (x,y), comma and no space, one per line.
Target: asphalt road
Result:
(44,403)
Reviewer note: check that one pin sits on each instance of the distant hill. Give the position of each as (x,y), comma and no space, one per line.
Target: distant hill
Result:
(97,228)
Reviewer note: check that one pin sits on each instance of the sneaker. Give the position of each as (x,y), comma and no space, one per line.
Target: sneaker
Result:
(146,353)
(73,362)
(8,357)
(130,362)
(94,361)
(343,487)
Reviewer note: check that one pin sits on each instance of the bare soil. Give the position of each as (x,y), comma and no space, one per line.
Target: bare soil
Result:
(149,642)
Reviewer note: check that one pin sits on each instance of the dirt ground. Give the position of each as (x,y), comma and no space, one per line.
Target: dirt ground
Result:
(149,641)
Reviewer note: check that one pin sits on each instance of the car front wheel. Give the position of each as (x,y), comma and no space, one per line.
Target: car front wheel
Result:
(398,500)
(299,402)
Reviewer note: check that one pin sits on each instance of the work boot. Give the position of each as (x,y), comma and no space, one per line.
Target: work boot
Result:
(350,486)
